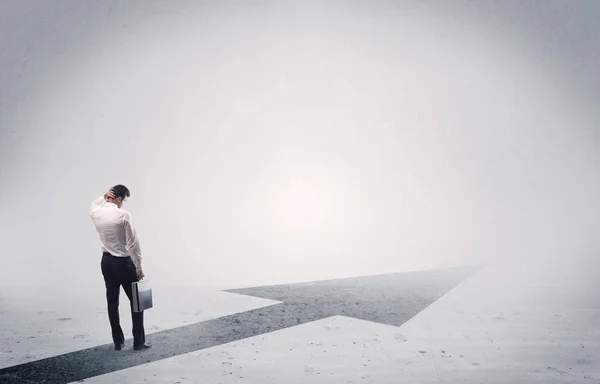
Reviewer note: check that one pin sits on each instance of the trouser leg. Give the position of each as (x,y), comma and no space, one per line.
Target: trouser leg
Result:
(112,298)
(113,288)
(137,318)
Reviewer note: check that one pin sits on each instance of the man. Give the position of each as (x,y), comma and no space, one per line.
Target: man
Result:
(121,260)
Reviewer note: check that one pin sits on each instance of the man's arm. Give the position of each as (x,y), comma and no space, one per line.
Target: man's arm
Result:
(98,203)
(133,243)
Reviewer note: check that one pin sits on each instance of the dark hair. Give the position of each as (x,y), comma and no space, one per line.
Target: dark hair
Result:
(121,191)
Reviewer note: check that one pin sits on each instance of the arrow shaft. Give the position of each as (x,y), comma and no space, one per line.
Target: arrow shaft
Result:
(104,359)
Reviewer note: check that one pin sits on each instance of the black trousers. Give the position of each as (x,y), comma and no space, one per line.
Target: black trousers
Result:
(120,272)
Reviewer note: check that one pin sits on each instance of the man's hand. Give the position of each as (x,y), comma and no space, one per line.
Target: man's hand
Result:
(109,195)
(140,275)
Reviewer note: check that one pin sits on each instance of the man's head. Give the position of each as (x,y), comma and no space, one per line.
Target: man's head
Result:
(121,194)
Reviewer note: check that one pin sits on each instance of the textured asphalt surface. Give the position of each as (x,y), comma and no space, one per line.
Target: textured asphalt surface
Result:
(389,299)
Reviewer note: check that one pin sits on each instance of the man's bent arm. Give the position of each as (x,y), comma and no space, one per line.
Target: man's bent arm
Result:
(97,203)
(132,242)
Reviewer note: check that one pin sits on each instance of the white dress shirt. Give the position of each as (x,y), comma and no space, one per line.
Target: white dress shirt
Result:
(116,230)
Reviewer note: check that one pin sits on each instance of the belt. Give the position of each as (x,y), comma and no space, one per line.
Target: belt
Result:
(108,254)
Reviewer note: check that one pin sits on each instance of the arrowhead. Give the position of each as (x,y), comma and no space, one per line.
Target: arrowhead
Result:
(390,299)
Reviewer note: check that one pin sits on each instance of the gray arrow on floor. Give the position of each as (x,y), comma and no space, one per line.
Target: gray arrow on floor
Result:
(390,299)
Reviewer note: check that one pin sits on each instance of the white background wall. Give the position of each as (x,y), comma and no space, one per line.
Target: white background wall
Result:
(268,142)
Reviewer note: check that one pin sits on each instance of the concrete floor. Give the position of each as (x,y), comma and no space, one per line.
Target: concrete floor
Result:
(501,325)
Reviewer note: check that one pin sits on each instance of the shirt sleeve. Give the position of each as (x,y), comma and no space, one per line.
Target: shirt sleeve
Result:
(97,203)
(132,242)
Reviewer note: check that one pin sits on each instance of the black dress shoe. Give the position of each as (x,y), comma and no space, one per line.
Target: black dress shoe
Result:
(140,347)
(118,347)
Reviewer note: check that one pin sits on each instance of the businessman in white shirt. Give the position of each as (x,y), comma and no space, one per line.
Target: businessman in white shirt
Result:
(121,260)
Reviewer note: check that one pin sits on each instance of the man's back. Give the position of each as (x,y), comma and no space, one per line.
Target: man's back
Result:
(109,222)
